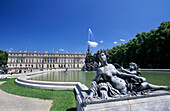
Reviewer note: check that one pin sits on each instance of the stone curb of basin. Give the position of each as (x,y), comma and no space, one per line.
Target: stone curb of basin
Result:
(24,81)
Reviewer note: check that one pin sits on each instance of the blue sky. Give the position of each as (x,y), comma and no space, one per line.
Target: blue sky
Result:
(63,25)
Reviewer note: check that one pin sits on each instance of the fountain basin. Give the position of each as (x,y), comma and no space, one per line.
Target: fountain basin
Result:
(24,81)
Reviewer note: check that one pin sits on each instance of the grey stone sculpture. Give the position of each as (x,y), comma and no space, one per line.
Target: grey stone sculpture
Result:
(4,69)
(115,83)
(133,69)
(90,64)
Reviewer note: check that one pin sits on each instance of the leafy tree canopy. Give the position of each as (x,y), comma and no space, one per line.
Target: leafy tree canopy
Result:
(147,49)
(3,58)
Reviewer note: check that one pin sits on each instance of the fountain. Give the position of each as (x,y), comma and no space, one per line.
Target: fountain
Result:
(90,64)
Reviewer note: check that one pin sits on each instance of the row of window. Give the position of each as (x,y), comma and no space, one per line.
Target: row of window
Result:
(48,65)
(60,55)
(43,60)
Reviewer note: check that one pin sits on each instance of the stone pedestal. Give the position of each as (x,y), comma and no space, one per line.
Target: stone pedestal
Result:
(155,101)
(158,103)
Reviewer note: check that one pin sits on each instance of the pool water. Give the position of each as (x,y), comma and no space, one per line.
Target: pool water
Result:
(70,76)
(154,77)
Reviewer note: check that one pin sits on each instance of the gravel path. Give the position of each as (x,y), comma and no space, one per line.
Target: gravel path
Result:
(10,102)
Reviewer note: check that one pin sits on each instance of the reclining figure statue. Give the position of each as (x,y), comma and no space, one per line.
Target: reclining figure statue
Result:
(116,83)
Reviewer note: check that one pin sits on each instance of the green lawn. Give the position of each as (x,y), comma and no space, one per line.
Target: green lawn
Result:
(62,100)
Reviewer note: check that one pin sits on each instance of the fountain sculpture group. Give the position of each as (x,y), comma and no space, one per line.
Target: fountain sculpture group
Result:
(90,64)
(109,82)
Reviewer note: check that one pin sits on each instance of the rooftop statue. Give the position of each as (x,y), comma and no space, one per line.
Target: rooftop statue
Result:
(116,83)
(90,64)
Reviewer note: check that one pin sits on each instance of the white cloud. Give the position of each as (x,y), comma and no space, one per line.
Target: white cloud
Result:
(92,44)
(101,41)
(11,49)
(122,40)
(115,42)
(61,49)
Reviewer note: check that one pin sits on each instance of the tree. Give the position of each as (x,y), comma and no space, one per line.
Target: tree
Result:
(148,49)
(3,58)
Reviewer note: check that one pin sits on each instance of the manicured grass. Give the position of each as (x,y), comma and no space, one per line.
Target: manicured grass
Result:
(62,100)
(4,79)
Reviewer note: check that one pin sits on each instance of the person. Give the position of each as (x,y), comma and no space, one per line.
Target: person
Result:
(31,70)
(110,74)
(20,71)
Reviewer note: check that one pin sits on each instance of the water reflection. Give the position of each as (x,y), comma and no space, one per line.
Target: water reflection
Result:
(70,76)
(154,77)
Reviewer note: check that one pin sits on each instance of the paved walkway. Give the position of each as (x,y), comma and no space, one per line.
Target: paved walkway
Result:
(10,102)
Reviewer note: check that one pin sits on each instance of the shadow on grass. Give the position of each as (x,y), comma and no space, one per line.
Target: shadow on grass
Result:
(71,109)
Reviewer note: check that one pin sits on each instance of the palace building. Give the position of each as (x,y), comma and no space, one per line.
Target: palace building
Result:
(45,60)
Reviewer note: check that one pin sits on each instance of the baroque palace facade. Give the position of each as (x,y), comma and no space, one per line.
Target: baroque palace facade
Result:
(45,60)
